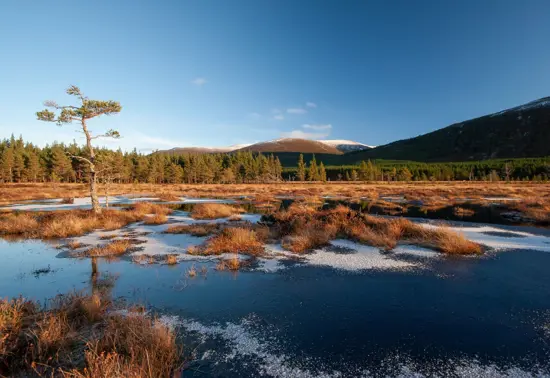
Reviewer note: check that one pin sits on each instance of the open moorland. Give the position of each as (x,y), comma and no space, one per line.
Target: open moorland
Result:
(186,256)
(492,202)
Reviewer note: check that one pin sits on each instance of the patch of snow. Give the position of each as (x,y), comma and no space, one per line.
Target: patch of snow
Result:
(512,240)
(342,143)
(543,102)
(413,250)
(365,258)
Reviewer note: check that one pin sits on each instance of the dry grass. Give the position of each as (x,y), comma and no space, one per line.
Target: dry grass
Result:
(233,239)
(197,229)
(27,191)
(213,211)
(143,259)
(303,229)
(63,224)
(192,272)
(75,337)
(155,219)
(434,195)
(169,197)
(229,264)
(73,244)
(115,248)
(171,259)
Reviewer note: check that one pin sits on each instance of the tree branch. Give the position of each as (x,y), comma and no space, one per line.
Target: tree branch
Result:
(79,158)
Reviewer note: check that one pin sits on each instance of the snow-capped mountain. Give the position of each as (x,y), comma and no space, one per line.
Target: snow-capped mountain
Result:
(540,103)
(293,145)
(283,145)
(346,145)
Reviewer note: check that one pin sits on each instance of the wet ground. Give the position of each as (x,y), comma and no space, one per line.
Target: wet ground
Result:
(346,310)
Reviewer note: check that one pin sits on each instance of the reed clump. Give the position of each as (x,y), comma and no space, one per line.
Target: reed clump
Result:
(64,224)
(231,240)
(77,336)
(155,219)
(197,229)
(114,248)
(213,211)
(303,228)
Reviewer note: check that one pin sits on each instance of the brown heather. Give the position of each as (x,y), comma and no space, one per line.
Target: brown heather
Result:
(114,248)
(197,229)
(63,224)
(171,259)
(213,211)
(533,204)
(303,229)
(155,219)
(233,239)
(76,337)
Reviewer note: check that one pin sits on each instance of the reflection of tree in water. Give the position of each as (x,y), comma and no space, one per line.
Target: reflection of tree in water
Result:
(101,284)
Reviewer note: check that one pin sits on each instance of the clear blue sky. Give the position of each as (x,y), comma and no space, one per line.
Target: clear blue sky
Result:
(226,72)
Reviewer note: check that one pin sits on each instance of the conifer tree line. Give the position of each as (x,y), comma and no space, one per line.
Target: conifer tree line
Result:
(25,162)
(525,169)
(21,161)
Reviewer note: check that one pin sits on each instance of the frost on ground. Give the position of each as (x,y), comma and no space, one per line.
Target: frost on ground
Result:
(85,202)
(251,349)
(341,254)
(501,238)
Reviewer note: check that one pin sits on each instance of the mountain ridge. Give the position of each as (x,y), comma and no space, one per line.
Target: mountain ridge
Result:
(520,131)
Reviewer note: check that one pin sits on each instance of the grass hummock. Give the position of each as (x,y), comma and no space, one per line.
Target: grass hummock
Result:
(233,239)
(64,224)
(196,229)
(79,335)
(213,211)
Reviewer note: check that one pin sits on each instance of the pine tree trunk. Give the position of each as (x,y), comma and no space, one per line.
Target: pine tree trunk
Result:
(93,191)
(93,176)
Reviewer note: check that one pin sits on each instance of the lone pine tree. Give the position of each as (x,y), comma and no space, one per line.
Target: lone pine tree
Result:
(86,110)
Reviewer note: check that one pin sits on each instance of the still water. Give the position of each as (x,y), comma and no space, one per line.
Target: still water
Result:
(343,311)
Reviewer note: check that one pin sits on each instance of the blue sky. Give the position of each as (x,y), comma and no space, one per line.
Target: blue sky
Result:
(215,73)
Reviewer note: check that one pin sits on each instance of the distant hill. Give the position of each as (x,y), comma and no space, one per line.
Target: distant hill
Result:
(293,145)
(523,131)
(285,145)
(201,150)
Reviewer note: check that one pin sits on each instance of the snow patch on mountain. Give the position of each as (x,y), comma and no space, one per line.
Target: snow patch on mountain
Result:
(346,145)
(540,103)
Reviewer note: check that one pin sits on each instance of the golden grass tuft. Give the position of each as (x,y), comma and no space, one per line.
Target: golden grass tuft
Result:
(73,244)
(114,248)
(192,272)
(197,229)
(155,219)
(234,239)
(450,242)
(16,223)
(169,197)
(75,336)
(64,224)
(171,259)
(213,211)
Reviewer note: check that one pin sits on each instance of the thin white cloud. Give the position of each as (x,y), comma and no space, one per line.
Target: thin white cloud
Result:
(199,81)
(296,111)
(317,127)
(254,115)
(304,135)
(279,117)
(311,104)
(275,111)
